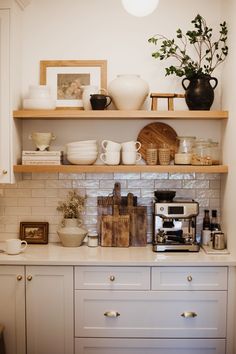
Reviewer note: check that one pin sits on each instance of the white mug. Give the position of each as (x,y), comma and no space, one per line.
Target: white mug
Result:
(131,145)
(109,145)
(111,157)
(14,246)
(130,157)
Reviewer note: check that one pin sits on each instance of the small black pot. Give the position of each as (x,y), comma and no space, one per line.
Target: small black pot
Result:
(164,196)
(199,94)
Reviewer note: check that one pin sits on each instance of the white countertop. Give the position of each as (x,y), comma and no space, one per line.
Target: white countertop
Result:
(56,254)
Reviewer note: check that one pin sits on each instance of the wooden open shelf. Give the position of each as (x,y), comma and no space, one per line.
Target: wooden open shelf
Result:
(120,169)
(116,114)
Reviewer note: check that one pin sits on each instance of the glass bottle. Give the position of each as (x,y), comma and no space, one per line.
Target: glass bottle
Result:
(201,155)
(215,226)
(206,228)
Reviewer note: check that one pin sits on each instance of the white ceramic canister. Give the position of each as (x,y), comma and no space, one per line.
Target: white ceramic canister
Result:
(128,92)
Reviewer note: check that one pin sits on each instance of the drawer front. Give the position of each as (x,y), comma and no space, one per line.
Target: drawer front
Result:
(189,278)
(130,278)
(150,314)
(149,346)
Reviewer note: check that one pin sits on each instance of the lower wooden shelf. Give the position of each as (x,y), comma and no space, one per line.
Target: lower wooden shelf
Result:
(119,169)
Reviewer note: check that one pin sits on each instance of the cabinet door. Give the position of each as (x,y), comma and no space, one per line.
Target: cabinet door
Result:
(49,309)
(5,162)
(12,308)
(149,346)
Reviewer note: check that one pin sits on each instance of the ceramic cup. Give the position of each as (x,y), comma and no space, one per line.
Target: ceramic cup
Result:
(130,157)
(110,157)
(14,246)
(100,101)
(42,140)
(109,145)
(131,145)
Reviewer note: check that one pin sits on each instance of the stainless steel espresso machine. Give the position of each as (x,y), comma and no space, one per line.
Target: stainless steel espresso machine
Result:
(174,224)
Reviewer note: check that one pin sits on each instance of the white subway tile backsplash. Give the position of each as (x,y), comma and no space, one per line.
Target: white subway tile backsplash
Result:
(36,196)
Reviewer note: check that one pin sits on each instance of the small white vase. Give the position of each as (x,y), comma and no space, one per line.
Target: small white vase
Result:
(128,92)
(71,235)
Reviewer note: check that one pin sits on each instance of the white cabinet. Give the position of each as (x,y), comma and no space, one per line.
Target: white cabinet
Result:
(5,108)
(49,310)
(183,311)
(47,292)
(12,308)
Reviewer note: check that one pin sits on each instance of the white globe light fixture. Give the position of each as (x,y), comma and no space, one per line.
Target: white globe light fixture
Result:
(140,8)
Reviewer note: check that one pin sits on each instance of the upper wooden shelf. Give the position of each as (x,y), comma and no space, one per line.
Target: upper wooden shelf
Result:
(120,169)
(116,114)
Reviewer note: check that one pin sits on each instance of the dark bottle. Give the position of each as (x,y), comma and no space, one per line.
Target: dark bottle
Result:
(206,220)
(215,226)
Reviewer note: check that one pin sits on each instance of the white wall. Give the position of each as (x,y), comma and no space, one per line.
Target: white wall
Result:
(92,29)
(229,196)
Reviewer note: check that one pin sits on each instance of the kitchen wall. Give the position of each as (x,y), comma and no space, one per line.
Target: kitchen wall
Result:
(35,198)
(91,29)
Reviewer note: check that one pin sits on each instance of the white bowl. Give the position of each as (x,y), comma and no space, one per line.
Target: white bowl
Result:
(39,91)
(39,103)
(83,151)
(81,160)
(82,143)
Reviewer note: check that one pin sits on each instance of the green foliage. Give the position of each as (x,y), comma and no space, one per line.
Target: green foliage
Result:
(207,54)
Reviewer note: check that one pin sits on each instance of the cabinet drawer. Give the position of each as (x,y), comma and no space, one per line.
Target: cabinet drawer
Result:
(149,346)
(130,278)
(189,278)
(150,314)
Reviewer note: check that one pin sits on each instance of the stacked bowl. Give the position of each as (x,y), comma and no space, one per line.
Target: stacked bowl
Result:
(83,152)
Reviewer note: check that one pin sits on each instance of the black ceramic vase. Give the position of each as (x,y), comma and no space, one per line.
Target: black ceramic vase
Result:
(199,94)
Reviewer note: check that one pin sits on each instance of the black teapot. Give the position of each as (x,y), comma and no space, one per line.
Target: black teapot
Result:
(100,101)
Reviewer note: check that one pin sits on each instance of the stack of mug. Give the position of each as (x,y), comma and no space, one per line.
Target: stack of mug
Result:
(114,153)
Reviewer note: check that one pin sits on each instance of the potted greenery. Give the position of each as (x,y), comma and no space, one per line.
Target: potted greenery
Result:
(71,232)
(197,56)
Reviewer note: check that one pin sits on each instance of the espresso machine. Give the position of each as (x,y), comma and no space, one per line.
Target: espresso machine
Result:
(174,227)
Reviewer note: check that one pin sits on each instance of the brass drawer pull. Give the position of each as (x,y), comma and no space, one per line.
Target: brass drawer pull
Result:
(29,278)
(19,277)
(112,278)
(189,278)
(111,314)
(4,172)
(189,314)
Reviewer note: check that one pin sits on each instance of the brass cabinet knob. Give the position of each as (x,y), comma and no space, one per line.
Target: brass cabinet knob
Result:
(112,314)
(4,172)
(29,278)
(112,278)
(189,278)
(19,277)
(189,314)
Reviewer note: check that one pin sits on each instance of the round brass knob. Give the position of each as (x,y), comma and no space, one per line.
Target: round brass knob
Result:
(189,278)
(112,278)
(29,278)
(4,172)
(19,277)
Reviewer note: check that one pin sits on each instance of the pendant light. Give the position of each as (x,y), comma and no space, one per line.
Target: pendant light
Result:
(140,8)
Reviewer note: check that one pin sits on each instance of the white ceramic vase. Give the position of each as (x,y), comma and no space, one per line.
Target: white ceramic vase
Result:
(128,92)
(71,235)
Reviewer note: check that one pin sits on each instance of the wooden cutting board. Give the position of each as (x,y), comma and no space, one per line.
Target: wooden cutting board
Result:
(159,134)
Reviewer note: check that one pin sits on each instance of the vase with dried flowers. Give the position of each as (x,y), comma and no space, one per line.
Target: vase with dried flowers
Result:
(71,232)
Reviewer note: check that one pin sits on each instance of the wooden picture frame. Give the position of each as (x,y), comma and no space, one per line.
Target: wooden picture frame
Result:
(65,78)
(34,232)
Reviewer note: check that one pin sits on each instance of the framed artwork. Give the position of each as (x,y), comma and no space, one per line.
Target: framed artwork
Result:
(66,78)
(34,232)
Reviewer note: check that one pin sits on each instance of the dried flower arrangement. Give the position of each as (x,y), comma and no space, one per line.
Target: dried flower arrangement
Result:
(73,206)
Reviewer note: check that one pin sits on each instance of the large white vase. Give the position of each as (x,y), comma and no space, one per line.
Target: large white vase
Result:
(71,235)
(128,92)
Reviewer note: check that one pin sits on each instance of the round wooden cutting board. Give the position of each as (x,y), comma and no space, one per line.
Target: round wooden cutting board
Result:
(159,134)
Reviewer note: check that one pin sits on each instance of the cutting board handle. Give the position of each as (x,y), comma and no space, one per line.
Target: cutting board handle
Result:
(130,199)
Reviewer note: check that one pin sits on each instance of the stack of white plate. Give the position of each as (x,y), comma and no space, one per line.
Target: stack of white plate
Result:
(83,152)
